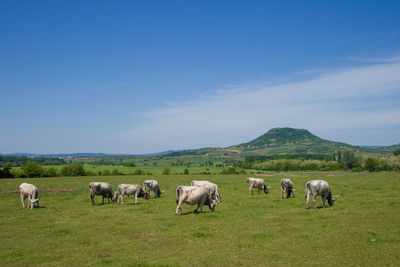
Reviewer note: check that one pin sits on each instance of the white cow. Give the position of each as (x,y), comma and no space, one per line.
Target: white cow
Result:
(131,189)
(286,188)
(257,183)
(213,188)
(193,195)
(30,192)
(152,185)
(102,189)
(319,188)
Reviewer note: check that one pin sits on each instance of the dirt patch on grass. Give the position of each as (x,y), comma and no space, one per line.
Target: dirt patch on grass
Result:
(55,190)
(103,255)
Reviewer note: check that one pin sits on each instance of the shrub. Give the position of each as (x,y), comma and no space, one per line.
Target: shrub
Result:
(50,172)
(186,171)
(75,169)
(138,172)
(32,169)
(166,170)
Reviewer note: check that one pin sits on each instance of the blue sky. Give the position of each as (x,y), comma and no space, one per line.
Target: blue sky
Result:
(149,76)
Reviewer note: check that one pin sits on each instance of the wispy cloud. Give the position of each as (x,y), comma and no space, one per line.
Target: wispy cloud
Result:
(376,60)
(330,102)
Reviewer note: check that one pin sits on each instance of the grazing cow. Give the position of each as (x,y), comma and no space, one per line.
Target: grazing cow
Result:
(152,185)
(257,183)
(213,188)
(30,192)
(319,188)
(102,189)
(131,189)
(194,195)
(287,188)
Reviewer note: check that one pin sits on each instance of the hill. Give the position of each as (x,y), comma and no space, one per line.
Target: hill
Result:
(281,142)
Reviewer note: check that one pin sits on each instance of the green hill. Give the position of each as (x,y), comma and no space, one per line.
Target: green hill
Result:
(280,142)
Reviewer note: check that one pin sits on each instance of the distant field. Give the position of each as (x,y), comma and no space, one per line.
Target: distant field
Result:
(152,170)
(361,229)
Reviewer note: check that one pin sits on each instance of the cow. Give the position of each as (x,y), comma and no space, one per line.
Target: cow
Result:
(102,189)
(213,188)
(152,185)
(131,189)
(319,188)
(194,195)
(287,188)
(29,192)
(257,183)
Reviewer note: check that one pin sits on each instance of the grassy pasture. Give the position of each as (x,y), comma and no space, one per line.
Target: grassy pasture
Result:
(362,228)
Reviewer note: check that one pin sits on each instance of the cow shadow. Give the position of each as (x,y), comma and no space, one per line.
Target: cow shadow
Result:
(192,212)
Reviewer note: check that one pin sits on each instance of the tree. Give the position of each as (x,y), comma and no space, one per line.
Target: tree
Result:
(371,164)
(75,169)
(186,171)
(396,152)
(348,160)
(32,169)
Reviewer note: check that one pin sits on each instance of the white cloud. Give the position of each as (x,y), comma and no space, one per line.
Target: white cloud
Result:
(330,102)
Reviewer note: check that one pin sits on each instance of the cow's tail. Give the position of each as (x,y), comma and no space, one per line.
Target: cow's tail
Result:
(178,193)
(307,188)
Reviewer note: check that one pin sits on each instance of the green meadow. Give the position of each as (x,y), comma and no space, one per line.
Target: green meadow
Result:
(361,229)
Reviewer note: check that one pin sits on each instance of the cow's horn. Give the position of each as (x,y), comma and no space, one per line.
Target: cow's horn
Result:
(33,201)
(336,196)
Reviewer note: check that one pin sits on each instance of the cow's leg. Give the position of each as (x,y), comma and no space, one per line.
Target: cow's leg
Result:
(92,198)
(251,189)
(315,201)
(178,207)
(307,199)
(282,193)
(136,197)
(122,198)
(323,200)
(22,200)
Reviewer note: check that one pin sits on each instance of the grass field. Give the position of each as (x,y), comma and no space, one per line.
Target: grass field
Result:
(362,228)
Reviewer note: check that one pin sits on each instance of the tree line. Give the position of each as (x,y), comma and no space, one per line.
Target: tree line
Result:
(347,160)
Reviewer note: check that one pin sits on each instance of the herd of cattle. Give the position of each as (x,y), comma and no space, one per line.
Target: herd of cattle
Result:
(198,193)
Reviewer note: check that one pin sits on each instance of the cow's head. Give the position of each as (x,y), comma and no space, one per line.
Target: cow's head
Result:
(144,194)
(114,197)
(289,192)
(333,199)
(265,189)
(212,205)
(218,197)
(33,201)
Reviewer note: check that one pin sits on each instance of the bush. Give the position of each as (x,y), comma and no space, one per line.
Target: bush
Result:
(186,171)
(32,169)
(50,172)
(138,172)
(166,171)
(75,169)
(371,164)
(115,172)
